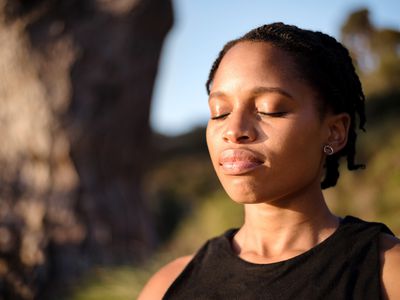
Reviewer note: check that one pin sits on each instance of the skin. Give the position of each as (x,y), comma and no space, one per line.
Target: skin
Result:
(265,139)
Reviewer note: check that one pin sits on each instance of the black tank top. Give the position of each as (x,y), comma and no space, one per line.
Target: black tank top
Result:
(346,265)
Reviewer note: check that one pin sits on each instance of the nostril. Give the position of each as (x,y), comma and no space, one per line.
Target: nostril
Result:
(237,139)
(243,138)
(239,135)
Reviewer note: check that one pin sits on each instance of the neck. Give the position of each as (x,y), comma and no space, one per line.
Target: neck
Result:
(272,233)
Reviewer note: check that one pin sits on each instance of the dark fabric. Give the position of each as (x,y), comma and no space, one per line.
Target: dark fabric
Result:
(344,266)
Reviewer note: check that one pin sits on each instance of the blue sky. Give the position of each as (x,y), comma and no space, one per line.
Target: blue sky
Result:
(201,29)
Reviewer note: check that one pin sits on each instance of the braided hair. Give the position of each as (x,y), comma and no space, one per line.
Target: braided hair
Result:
(326,64)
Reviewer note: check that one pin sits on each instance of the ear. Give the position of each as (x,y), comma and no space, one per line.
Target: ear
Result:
(338,130)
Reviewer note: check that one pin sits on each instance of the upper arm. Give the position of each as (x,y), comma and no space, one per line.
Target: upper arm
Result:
(159,283)
(390,266)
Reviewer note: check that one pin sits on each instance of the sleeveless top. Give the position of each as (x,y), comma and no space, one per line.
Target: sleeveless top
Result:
(346,265)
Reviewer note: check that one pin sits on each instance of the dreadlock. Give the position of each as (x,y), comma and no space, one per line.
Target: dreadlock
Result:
(326,64)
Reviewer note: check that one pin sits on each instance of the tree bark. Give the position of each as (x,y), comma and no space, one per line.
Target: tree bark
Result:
(76,81)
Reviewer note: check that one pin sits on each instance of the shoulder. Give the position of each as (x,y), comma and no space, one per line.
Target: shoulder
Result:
(390,266)
(161,281)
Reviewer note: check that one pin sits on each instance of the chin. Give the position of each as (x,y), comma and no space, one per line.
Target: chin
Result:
(241,190)
(241,195)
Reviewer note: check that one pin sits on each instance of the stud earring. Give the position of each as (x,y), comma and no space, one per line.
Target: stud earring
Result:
(328,150)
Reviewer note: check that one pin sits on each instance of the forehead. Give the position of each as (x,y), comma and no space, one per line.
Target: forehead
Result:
(255,51)
(257,61)
(249,64)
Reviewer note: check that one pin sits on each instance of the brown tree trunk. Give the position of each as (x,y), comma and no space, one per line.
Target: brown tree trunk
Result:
(76,81)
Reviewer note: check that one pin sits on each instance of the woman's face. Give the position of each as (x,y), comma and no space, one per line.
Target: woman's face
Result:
(265,136)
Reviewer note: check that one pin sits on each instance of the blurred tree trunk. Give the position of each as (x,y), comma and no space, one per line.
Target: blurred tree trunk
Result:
(76,80)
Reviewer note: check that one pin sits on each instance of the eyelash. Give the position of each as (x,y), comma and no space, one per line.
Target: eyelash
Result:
(272,114)
(220,117)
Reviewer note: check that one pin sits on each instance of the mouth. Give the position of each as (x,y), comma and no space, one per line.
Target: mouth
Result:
(239,161)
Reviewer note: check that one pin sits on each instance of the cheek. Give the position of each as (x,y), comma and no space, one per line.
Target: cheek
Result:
(297,147)
(211,139)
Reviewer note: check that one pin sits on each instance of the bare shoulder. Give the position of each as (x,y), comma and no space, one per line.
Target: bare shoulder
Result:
(159,283)
(390,266)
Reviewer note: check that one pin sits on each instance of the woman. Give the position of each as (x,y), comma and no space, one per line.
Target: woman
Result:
(285,103)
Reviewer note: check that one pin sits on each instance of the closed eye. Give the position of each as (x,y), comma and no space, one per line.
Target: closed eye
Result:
(220,117)
(273,114)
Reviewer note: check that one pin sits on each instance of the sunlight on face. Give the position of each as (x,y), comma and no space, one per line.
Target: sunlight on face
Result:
(265,135)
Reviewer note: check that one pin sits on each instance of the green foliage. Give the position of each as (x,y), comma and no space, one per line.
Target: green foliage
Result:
(212,217)
(375,52)
(175,186)
(111,283)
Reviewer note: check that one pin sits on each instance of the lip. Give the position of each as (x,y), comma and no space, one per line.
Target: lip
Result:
(239,161)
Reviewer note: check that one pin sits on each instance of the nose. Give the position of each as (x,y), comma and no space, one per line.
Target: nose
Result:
(239,129)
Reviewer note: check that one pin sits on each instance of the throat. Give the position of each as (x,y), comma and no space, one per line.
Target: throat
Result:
(282,241)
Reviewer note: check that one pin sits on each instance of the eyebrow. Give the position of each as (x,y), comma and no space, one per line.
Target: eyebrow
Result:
(257,91)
